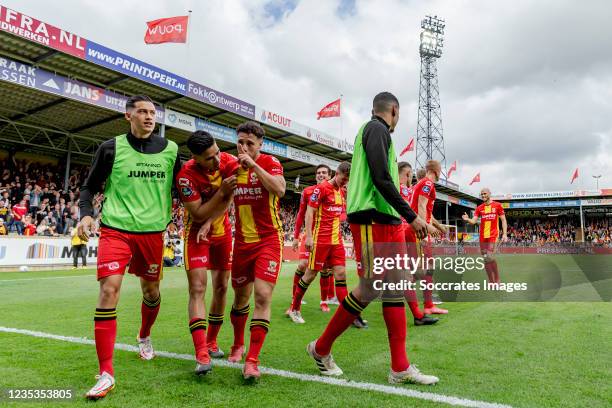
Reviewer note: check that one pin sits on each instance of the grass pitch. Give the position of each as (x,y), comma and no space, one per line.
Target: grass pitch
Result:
(523,354)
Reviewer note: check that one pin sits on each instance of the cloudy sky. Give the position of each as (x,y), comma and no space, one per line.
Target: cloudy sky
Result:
(525,86)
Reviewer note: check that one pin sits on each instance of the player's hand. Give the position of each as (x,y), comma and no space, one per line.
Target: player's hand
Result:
(465,217)
(203,232)
(442,229)
(244,159)
(295,245)
(504,238)
(309,244)
(420,227)
(228,186)
(433,231)
(84,227)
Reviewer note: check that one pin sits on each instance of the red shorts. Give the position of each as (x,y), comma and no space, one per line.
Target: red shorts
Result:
(411,241)
(372,241)
(214,254)
(257,260)
(143,252)
(326,256)
(488,245)
(304,254)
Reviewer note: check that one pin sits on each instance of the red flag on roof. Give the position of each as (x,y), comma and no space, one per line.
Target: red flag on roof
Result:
(165,30)
(574,176)
(452,168)
(330,110)
(476,179)
(408,148)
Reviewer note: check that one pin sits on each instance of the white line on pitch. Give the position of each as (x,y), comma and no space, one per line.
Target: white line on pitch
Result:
(386,389)
(48,277)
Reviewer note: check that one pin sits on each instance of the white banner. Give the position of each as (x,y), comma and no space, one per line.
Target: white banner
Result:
(310,158)
(31,251)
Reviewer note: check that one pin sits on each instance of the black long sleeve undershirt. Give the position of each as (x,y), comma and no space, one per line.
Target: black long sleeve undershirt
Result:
(376,143)
(102,165)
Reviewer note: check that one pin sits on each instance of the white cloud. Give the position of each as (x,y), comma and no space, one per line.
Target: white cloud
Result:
(525,86)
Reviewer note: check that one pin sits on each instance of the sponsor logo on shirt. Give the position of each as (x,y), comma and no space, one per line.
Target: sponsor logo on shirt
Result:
(147,174)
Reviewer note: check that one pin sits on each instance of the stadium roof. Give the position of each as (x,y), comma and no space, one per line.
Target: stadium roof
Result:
(59,91)
(57,87)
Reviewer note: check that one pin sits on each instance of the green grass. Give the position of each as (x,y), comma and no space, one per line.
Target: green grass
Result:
(524,354)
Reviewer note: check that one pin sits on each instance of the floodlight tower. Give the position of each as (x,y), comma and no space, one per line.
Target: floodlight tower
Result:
(430,140)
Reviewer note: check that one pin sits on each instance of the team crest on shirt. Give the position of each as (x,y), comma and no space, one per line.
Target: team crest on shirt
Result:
(315,195)
(186,192)
(426,188)
(153,269)
(272,266)
(253,178)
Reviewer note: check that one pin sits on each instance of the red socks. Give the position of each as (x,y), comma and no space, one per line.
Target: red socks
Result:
(348,310)
(105,332)
(341,290)
(489,270)
(239,318)
(325,283)
(395,319)
(214,321)
(427,295)
(259,329)
(197,327)
(300,291)
(149,310)
(495,271)
(296,278)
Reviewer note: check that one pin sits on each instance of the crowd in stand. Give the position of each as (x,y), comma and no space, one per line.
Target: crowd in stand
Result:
(562,230)
(599,232)
(35,201)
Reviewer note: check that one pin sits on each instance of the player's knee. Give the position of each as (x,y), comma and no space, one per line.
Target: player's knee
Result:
(220,289)
(109,292)
(197,289)
(340,275)
(150,292)
(262,300)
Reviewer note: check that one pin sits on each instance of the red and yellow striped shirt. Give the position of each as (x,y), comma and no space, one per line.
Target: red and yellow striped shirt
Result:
(257,210)
(489,215)
(330,204)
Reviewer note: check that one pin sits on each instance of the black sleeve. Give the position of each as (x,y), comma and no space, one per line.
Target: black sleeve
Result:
(101,168)
(177,167)
(376,142)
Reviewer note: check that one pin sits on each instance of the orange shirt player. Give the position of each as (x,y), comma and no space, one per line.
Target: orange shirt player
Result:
(489,212)
(258,243)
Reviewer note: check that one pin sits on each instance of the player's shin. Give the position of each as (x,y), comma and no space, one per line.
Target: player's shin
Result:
(346,313)
(395,319)
(105,332)
(300,291)
(149,310)
(197,327)
(259,330)
(239,317)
